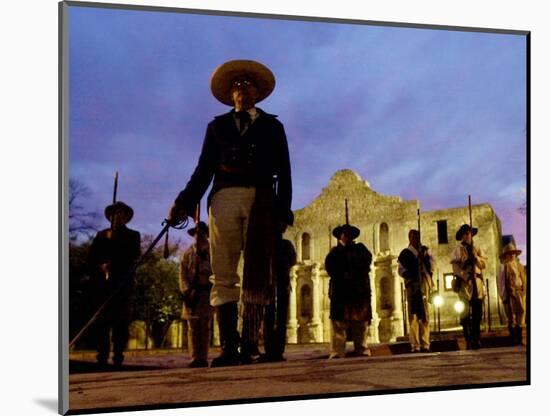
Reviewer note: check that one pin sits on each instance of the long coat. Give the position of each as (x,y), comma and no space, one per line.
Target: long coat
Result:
(229,159)
(120,250)
(252,159)
(350,291)
(417,285)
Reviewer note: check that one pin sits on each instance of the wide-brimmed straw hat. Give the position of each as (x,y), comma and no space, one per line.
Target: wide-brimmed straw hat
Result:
(127,211)
(353,231)
(463,229)
(201,225)
(510,248)
(223,76)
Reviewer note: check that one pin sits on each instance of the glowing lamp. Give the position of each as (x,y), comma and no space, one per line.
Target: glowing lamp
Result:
(459,306)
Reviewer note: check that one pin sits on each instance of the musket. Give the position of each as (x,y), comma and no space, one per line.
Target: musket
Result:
(115,187)
(420,259)
(127,278)
(112,219)
(347,216)
(473,272)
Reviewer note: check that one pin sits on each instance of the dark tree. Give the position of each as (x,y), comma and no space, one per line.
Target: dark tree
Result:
(82,223)
(158,300)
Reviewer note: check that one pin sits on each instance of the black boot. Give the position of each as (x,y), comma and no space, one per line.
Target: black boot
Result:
(475,336)
(227,315)
(467,334)
(518,336)
(512,332)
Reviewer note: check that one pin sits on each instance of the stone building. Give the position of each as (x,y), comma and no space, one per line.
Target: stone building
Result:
(384,222)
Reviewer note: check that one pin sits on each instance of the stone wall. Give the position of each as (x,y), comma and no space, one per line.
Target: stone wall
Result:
(384,222)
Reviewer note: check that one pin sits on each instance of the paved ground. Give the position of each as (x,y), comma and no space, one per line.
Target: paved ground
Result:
(152,380)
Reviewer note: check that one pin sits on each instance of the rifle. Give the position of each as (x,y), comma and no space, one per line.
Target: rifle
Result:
(112,219)
(115,187)
(473,272)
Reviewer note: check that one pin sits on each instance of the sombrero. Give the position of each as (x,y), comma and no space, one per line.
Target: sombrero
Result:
(510,248)
(224,75)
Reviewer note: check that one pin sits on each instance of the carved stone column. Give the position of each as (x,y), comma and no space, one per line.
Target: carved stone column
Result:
(292,327)
(315,326)
(397,315)
(373,327)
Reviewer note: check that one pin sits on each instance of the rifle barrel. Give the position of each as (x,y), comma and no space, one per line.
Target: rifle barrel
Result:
(115,187)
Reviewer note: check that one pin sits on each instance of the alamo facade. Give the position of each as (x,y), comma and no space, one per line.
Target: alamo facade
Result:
(384,222)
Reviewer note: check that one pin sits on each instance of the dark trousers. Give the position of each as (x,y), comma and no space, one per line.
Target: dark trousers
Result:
(275,321)
(115,320)
(471,322)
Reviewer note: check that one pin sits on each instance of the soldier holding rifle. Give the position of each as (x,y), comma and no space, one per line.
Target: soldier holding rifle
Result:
(244,152)
(112,256)
(468,262)
(415,266)
(348,265)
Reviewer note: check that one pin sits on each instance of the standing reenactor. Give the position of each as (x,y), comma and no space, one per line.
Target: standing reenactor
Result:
(468,263)
(511,289)
(195,271)
(348,265)
(277,312)
(244,152)
(112,256)
(415,266)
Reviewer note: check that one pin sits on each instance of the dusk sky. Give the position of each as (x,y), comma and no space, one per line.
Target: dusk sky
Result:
(424,114)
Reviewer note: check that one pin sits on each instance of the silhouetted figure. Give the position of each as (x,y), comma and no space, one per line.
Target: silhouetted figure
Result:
(276,315)
(112,256)
(348,265)
(244,152)
(415,266)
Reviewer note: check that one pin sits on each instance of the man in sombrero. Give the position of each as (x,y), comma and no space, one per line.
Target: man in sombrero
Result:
(348,265)
(245,157)
(468,263)
(512,285)
(111,259)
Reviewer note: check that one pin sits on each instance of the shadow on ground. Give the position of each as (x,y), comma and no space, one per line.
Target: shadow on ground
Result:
(82,367)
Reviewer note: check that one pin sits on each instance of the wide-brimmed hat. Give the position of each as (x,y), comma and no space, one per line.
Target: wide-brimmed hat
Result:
(353,231)
(463,229)
(510,248)
(127,211)
(201,225)
(223,76)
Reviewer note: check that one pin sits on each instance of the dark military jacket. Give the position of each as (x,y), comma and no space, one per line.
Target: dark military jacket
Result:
(350,291)
(120,252)
(252,159)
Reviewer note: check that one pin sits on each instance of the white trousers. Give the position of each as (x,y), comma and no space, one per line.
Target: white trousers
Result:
(228,222)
